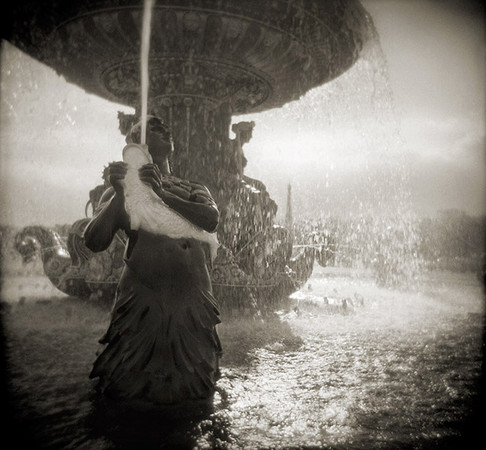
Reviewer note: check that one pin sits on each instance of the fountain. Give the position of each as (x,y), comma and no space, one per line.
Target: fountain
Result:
(208,61)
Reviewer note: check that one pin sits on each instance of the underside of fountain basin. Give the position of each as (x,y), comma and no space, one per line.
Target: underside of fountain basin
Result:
(209,60)
(250,55)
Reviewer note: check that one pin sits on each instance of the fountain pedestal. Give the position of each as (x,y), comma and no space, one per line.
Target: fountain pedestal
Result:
(208,60)
(254,265)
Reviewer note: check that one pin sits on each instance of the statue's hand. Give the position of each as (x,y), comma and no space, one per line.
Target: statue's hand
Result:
(201,194)
(150,174)
(116,174)
(187,190)
(176,186)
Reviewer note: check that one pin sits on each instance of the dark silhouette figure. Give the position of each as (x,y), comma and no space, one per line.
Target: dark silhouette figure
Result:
(161,346)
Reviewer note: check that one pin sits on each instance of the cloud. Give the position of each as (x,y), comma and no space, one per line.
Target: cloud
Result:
(413,106)
(458,139)
(435,52)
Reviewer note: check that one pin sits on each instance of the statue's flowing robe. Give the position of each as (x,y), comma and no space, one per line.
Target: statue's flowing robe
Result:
(161,345)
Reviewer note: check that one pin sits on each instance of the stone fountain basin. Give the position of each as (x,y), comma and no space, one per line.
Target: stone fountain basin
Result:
(251,55)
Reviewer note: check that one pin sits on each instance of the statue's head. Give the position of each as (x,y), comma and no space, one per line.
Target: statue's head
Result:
(158,137)
(243,131)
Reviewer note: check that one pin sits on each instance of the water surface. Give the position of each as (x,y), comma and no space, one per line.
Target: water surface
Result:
(393,369)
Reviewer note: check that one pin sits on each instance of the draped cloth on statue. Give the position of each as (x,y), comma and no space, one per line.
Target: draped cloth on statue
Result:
(162,345)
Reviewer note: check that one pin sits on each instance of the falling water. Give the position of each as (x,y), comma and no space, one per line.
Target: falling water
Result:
(396,371)
(357,173)
(147,17)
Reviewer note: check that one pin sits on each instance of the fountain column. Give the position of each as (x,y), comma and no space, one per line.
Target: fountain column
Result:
(201,139)
(207,61)
(204,151)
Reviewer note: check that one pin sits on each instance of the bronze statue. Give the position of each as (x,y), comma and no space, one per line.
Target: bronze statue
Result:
(209,61)
(162,345)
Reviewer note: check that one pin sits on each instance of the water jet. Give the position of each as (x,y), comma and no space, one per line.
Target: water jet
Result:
(208,61)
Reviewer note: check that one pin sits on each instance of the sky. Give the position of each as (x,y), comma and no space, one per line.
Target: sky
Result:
(403,131)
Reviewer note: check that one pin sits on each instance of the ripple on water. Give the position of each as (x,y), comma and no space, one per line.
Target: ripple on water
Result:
(400,371)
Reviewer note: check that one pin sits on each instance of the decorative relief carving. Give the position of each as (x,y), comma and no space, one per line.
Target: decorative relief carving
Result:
(254,55)
(216,81)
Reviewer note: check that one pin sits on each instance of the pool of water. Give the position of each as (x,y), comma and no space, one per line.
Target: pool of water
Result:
(390,369)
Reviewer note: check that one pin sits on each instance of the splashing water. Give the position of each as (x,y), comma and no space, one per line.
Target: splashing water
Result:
(357,172)
(147,17)
(398,371)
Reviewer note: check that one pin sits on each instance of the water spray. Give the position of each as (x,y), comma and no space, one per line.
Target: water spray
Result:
(133,148)
(145,46)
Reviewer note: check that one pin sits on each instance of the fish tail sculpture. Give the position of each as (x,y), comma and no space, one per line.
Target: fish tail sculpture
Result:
(149,212)
(64,266)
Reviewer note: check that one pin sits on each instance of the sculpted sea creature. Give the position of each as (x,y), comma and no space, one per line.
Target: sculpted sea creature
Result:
(263,269)
(149,212)
(72,267)
(62,270)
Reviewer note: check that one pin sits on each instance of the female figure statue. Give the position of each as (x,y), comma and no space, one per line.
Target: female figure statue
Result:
(161,346)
